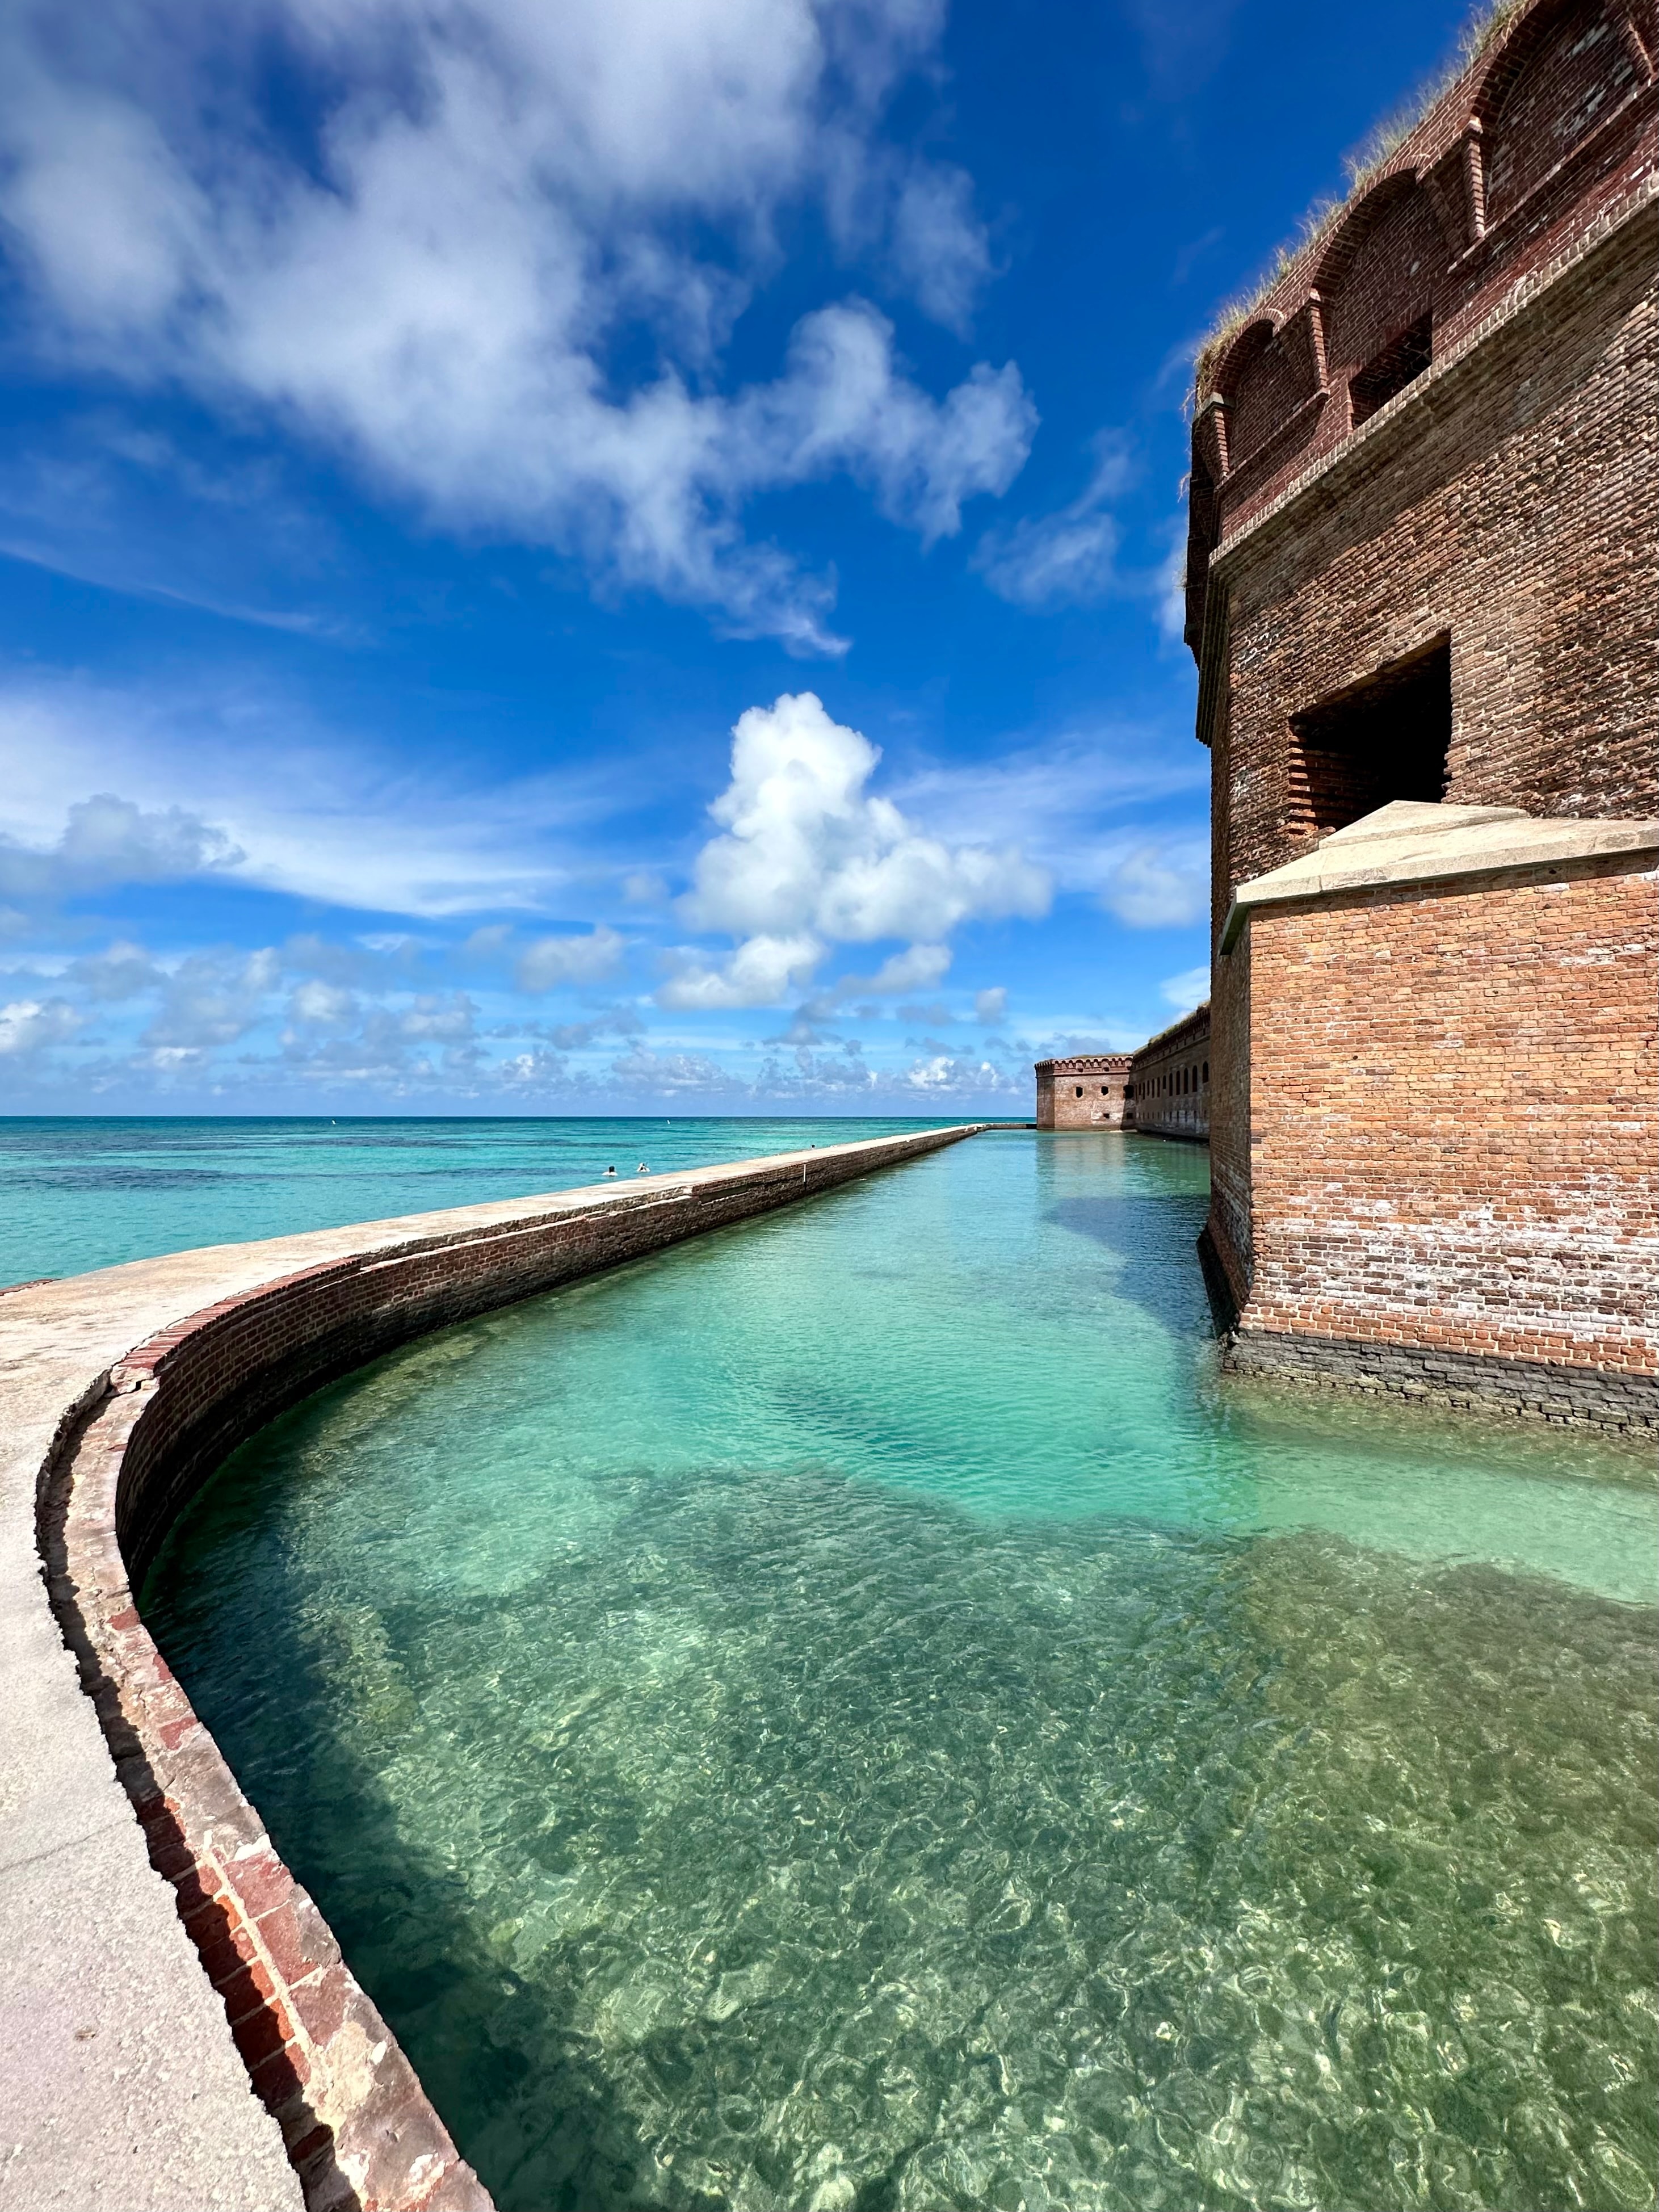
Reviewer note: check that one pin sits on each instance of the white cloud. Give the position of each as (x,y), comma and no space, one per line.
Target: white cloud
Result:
(124,971)
(941,1075)
(808,857)
(30,1026)
(644,887)
(1160,885)
(913,969)
(245,778)
(212,999)
(1188,989)
(500,201)
(108,840)
(939,247)
(448,1018)
(1062,802)
(991,1007)
(761,972)
(1065,559)
(555,960)
(805,849)
(674,1073)
(316,1004)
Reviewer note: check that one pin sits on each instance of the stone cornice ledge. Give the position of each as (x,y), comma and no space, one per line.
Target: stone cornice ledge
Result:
(1409,843)
(1522,296)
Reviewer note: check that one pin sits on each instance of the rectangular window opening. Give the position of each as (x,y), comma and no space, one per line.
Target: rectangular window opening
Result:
(1401,362)
(1383,740)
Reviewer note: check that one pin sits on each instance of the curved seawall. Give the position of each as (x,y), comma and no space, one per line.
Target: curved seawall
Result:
(121,1392)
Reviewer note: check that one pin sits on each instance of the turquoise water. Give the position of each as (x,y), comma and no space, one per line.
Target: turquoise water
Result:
(853,1713)
(80,1194)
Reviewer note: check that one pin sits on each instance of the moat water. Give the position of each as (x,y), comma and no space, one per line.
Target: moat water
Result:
(853,1713)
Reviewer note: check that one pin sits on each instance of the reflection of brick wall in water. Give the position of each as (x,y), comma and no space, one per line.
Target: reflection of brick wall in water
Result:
(1424,528)
(1085,1091)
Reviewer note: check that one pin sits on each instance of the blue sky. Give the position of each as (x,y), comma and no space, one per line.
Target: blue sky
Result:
(609,556)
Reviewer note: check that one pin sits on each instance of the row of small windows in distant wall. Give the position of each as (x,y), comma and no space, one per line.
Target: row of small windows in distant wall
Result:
(1182,1081)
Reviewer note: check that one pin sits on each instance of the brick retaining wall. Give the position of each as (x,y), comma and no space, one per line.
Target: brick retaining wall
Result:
(1452,1118)
(357,2124)
(1171,1077)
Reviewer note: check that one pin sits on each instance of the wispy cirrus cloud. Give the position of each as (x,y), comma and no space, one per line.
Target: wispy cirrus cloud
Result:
(253,789)
(1069,559)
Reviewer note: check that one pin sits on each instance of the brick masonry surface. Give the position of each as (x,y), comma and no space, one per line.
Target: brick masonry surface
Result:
(1171,1077)
(1434,446)
(1454,1117)
(357,2124)
(1510,510)
(1085,1091)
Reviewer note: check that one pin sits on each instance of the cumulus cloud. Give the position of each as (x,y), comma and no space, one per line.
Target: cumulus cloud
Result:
(107,840)
(551,960)
(1160,886)
(494,202)
(1069,559)
(1188,989)
(942,1075)
(319,1005)
(808,856)
(30,1026)
(913,969)
(760,973)
(124,971)
(673,1073)
(210,999)
(622,1021)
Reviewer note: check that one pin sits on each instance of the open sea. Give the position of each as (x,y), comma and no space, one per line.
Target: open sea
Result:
(77,1193)
(855,1712)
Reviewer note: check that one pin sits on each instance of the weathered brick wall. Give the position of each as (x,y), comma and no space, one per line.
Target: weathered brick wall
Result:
(1512,509)
(1085,1091)
(1228,1231)
(1436,446)
(1170,1075)
(358,2126)
(1549,133)
(1452,1125)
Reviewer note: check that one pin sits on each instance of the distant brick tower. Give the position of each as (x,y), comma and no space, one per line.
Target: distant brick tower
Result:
(1421,592)
(1083,1092)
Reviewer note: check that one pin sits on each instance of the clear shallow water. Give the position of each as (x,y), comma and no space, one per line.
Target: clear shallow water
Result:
(849,1713)
(80,1194)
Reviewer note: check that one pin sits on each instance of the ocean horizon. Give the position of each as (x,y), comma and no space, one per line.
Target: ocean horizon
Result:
(86,1191)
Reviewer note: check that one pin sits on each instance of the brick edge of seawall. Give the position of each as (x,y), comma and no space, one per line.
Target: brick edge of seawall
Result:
(132,1450)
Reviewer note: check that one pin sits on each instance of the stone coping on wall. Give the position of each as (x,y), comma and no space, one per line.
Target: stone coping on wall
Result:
(182,1941)
(1415,842)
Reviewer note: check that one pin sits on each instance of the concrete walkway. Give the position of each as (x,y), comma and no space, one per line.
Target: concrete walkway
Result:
(119,2085)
